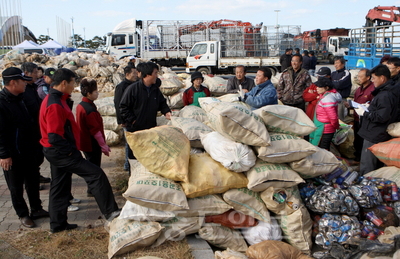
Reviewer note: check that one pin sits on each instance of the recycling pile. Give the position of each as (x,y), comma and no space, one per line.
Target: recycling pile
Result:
(112,131)
(102,67)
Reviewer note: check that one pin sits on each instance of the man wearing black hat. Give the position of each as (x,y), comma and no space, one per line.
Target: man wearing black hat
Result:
(285,59)
(197,90)
(16,145)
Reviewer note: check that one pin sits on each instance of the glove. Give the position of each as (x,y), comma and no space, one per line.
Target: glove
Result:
(241,93)
(235,99)
(104,148)
(359,111)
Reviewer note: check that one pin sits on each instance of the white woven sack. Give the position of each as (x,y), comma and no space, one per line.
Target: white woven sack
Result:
(263,231)
(140,213)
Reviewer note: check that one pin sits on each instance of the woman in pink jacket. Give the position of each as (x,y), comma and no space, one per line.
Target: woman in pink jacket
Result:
(326,117)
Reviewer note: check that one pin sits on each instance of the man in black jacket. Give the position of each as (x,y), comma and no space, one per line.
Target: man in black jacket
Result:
(341,79)
(131,76)
(381,112)
(142,100)
(16,147)
(286,59)
(32,102)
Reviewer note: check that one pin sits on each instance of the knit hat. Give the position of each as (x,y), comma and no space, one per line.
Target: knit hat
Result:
(196,75)
(14,73)
(49,72)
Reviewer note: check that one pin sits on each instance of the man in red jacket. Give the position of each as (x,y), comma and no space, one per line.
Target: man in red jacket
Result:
(61,142)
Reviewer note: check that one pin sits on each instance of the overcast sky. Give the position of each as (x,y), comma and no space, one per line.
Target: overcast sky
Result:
(100,16)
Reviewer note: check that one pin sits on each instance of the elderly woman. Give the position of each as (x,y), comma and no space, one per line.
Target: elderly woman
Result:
(191,95)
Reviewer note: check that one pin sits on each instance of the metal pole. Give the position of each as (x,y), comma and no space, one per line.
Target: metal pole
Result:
(84,36)
(73,34)
(277,31)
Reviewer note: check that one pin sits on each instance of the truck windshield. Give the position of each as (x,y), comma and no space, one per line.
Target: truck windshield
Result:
(118,39)
(344,42)
(198,50)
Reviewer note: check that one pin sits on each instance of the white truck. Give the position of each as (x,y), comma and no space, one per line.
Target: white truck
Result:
(241,44)
(165,42)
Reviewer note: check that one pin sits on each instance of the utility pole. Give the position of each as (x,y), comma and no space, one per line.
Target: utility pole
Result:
(84,36)
(73,33)
(48,34)
(278,44)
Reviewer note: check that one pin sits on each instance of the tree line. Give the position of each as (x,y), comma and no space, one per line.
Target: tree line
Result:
(94,43)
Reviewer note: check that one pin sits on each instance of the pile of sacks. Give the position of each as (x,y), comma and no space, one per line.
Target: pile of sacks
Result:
(107,71)
(112,131)
(224,172)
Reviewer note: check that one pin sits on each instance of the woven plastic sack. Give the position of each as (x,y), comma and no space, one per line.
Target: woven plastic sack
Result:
(175,101)
(388,152)
(192,128)
(391,173)
(163,150)
(204,206)
(263,231)
(286,119)
(247,202)
(216,84)
(272,249)
(223,237)
(156,192)
(105,106)
(110,123)
(193,112)
(285,148)
(229,254)
(292,203)
(319,163)
(236,122)
(264,175)
(234,156)
(128,235)
(394,129)
(340,135)
(112,138)
(136,212)
(207,176)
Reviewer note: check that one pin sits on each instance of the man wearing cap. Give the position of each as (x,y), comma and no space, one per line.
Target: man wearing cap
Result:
(16,145)
(45,82)
(285,59)
(292,84)
(341,79)
(240,79)
(310,94)
(197,90)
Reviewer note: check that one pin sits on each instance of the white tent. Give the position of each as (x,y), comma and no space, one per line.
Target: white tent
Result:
(52,44)
(27,45)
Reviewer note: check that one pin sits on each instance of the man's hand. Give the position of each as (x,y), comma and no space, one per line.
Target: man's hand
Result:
(346,104)
(6,163)
(245,91)
(359,111)
(241,93)
(168,115)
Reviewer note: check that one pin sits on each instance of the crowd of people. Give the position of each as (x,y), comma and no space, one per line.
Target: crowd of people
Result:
(36,121)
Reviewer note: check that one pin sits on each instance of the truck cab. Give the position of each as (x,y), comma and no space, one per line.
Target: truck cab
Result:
(203,57)
(122,44)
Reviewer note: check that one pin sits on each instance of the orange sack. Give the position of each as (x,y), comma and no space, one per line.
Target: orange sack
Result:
(388,152)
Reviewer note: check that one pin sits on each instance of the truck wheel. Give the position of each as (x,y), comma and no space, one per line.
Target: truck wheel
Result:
(204,70)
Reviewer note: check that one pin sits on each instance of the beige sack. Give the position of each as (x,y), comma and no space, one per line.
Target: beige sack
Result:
(204,206)
(237,123)
(162,150)
(178,228)
(215,84)
(286,119)
(207,176)
(319,163)
(394,129)
(156,192)
(229,254)
(247,202)
(128,235)
(285,148)
(112,138)
(391,173)
(193,112)
(192,129)
(291,204)
(297,229)
(105,106)
(223,237)
(110,123)
(264,174)
(175,101)
(136,212)
(272,249)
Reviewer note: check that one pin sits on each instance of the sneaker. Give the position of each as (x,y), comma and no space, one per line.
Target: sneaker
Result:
(43,179)
(72,208)
(109,217)
(66,227)
(75,200)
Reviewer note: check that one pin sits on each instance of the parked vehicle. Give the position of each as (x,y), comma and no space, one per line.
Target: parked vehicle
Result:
(238,43)
(327,44)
